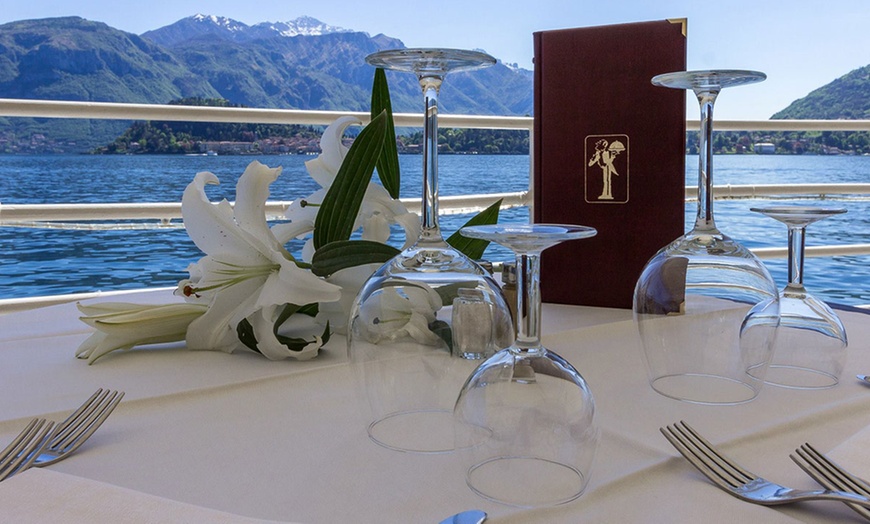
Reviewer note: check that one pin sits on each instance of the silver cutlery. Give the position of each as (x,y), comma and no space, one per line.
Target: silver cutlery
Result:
(474,516)
(78,427)
(21,452)
(737,481)
(831,475)
(865,379)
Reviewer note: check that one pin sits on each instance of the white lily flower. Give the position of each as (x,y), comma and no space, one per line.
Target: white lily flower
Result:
(378,209)
(246,269)
(123,325)
(397,312)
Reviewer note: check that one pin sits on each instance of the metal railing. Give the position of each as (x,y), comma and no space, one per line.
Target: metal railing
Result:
(77,216)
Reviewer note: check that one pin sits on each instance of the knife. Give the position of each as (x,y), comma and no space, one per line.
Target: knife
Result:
(474,516)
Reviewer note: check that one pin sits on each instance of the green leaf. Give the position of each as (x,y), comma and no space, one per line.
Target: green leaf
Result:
(388,162)
(245,331)
(348,253)
(442,330)
(473,248)
(340,205)
(450,291)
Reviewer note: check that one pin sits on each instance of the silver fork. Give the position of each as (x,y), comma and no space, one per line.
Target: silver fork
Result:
(739,482)
(20,453)
(78,427)
(831,475)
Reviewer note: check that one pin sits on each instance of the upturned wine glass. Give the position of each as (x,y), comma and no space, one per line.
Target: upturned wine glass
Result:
(420,321)
(525,416)
(811,340)
(692,296)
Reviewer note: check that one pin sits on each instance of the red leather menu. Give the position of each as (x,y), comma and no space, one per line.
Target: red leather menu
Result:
(609,152)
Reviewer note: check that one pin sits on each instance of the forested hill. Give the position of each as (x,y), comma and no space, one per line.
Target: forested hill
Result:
(846,98)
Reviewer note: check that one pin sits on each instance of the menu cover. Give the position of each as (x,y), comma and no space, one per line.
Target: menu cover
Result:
(609,152)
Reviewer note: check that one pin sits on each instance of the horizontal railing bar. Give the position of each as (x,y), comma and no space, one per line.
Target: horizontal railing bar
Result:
(11,305)
(117,111)
(784,125)
(447,204)
(765,253)
(167,211)
(177,113)
(737,191)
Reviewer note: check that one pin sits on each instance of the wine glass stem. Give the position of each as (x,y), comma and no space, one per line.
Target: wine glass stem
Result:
(430,230)
(796,239)
(528,301)
(704,220)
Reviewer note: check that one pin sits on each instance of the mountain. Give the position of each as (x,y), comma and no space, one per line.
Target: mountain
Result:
(76,59)
(300,64)
(846,98)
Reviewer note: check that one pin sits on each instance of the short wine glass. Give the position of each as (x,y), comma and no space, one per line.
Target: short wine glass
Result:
(420,321)
(693,295)
(525,416)
(811,340)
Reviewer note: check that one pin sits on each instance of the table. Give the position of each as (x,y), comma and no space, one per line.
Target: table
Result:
(286,440)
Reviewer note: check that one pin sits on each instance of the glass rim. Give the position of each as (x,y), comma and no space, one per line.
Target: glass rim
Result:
(430,60)
(796,210)
(709,79)
(551,232)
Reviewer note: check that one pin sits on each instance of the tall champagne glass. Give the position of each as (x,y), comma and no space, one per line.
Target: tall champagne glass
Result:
(692,296)
(526,415)
(811,340)
(420,320)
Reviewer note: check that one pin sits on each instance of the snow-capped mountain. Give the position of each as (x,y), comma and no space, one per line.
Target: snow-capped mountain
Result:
(229,29)
(304,25)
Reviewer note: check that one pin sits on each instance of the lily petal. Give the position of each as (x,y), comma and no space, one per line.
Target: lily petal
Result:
(252,192)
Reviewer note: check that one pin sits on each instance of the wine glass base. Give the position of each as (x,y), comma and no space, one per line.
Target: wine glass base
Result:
(796,377)
(546,482)
(423,431)
(708,389)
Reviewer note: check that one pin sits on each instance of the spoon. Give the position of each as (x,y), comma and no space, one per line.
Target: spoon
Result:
(865,379)
(474,516)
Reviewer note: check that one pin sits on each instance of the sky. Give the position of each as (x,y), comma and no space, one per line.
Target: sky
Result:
(800,44)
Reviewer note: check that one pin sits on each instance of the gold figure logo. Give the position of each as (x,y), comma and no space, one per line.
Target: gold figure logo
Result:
(606,170)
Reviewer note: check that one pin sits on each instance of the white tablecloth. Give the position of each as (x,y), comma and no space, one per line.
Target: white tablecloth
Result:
(287,441)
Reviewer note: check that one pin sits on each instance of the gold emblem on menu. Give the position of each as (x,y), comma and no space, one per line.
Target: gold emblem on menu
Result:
(606,169)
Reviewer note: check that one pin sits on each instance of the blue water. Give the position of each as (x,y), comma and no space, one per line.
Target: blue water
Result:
(35,262)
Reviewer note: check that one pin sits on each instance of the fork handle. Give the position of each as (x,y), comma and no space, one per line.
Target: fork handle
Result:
(827,494)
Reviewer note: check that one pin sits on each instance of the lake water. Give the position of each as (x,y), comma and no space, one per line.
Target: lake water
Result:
(35,262)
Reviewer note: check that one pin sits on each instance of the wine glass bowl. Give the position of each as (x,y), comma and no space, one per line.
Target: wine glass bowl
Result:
(525,416)
(421,319)
(693,295)
(811,341)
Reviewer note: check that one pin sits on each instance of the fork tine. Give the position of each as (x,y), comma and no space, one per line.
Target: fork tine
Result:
(76,417)
(829,474)
(9,451)
(724,471)
(21,453)
(860,485)
(88,421)
(699,457)
(850,481)
(741,474)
